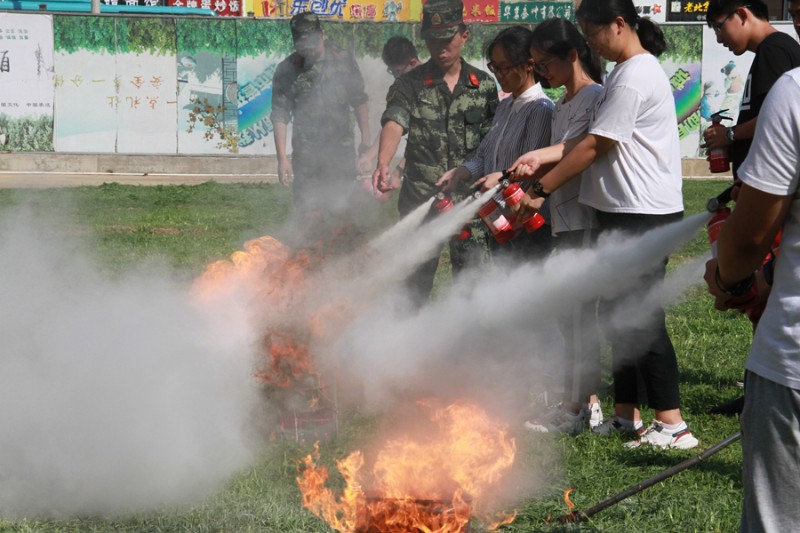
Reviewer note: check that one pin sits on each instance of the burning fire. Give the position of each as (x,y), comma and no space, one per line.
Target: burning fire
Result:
(271,277)
(430,486)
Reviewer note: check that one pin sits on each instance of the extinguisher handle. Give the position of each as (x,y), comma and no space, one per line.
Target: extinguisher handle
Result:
(720,200)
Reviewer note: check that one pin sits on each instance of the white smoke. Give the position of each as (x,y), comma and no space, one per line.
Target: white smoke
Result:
(116,395)
(494,335)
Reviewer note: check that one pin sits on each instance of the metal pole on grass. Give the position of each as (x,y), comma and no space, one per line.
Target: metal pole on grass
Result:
(579,516)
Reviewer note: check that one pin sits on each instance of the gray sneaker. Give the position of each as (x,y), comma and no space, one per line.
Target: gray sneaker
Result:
(559,420)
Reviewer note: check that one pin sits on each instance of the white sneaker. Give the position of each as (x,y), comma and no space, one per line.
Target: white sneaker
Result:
(656,435)
(595,415)
(559,420)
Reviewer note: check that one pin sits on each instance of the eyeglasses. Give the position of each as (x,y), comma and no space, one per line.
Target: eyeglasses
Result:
(497,69)
(717,26)
(541,68)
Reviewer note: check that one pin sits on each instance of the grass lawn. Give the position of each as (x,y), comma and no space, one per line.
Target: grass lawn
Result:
(190,226)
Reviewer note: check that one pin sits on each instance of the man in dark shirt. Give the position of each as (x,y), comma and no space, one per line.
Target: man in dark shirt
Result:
(742,26)
(316,89)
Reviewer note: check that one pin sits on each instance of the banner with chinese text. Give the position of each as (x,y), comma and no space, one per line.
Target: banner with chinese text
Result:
(351,10)
(535,11)
(26,81)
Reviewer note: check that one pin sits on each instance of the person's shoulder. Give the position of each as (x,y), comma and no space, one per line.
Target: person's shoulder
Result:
(481,75)
(291,63)
(778,40)
(789,81)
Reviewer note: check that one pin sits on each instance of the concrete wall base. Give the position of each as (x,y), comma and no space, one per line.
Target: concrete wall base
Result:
(190,164)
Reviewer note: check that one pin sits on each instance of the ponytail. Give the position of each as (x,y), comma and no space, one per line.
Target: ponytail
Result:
(603,12)
(651,36)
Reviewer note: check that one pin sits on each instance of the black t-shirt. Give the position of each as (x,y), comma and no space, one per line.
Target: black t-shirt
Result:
(776,54)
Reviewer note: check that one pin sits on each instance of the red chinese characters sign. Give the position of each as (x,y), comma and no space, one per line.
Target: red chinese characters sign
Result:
(481,10)
(224,8)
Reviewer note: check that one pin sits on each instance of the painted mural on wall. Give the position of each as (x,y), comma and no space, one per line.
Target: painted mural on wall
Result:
(26,82)
(115,85)
(201,86)
(206,86)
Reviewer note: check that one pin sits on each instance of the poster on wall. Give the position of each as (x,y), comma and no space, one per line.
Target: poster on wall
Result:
(115,95)
(352,10)
(535,11)
(26,81)
(654,9)
(207,87)
(686,10)
(254,104)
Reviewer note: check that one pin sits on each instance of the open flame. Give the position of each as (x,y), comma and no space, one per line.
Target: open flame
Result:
(269,276)
(430,485)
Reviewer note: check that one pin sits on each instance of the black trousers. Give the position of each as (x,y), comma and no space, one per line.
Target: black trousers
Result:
(645,368)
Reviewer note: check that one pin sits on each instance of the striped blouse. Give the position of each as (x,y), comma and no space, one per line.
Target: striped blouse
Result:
(520,125)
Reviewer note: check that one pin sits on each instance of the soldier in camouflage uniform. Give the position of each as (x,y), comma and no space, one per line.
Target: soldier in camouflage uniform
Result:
(316,88)
(445,106)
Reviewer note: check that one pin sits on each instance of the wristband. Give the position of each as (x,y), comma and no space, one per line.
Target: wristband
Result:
(737,290)
(538,189)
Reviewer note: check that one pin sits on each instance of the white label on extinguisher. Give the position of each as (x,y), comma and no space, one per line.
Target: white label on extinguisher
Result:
(497,221)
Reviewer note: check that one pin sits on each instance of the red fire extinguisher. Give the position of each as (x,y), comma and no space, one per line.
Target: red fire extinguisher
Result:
(754,300)
(499,218)
(443,203)
(718,157)
(513,194)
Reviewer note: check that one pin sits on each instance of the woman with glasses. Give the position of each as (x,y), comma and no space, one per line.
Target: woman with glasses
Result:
(563,58)
(633,181)
(521,123)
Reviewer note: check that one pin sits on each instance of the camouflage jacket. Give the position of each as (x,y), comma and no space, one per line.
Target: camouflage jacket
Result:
(318,100)
(444,129)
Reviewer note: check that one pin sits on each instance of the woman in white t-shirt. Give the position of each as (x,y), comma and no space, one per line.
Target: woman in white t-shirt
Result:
(633,180)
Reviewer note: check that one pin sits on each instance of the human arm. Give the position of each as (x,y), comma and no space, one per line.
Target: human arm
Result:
(769,184)
(366,160)
(717,136)
(285,171)
(362,120)
(744,241)
(391,133)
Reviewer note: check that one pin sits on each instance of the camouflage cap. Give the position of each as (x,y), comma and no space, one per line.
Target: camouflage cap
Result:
(304,25)
(441,18)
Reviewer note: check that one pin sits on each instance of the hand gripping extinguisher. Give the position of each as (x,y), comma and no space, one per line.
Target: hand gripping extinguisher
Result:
(754,299)
(498,217)
(512,194)
(718,157)
(442,203)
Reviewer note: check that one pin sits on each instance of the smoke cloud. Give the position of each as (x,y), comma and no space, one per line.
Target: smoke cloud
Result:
(493,336)
(116,395)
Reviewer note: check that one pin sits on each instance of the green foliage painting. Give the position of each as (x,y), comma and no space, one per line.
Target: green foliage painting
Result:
(153,35)
(203,35)
(118,34)
(27,134)
(95,34)
(258,36)
(684,43)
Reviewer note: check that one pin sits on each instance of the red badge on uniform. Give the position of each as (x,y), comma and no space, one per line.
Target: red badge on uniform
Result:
(473,78)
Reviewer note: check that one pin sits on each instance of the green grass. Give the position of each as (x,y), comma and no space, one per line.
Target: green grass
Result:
(189,226)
